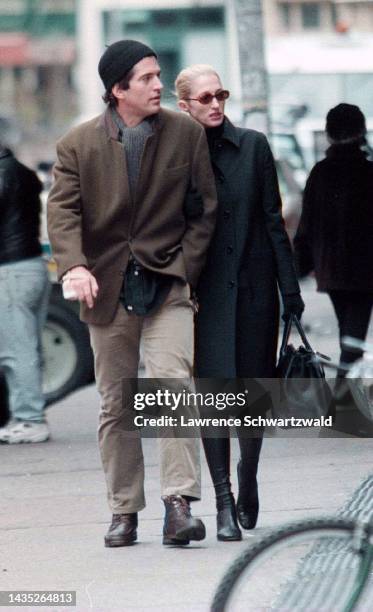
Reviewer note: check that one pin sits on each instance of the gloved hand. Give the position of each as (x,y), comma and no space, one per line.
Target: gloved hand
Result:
(293,305)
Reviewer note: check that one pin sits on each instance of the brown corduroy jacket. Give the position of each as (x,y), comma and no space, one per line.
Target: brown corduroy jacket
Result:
(93,221)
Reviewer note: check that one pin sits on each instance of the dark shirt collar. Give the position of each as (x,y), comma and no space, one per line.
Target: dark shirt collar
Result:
(225,131)
(214,136)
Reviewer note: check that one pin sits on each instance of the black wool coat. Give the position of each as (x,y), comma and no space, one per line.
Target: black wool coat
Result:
(249,256)
(335,233)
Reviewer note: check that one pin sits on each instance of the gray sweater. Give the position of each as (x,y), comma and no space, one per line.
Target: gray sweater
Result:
(133,140)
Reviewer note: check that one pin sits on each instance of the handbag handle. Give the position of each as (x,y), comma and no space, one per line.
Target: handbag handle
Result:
(286,334)
(285,338)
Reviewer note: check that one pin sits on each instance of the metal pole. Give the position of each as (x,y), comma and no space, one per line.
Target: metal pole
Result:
(252,63)
(90,47)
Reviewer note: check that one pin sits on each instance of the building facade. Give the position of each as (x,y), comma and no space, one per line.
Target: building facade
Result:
(318,53)
(37,56)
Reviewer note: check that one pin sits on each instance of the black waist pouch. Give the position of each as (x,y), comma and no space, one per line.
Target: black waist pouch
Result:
(143,291)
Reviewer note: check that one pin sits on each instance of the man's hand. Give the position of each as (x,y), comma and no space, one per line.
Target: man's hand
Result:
(83,283)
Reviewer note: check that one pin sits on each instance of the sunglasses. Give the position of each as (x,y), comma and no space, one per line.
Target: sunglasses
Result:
(207,98)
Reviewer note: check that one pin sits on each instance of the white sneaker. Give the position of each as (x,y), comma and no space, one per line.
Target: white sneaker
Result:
(24,431)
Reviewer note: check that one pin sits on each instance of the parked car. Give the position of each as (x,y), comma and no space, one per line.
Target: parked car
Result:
(67,354)
(285,146)
(291,194)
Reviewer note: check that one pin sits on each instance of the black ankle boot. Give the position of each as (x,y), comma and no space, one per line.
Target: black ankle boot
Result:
(248,499)
(226,518)
(218,458)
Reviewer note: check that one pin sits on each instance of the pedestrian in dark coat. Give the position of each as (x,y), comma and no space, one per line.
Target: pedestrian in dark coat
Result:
(335,234)
(248,258)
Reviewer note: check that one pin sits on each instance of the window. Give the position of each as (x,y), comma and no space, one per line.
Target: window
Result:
(165,18)
(333,14)
(285,15)
(310,15)
(204,17)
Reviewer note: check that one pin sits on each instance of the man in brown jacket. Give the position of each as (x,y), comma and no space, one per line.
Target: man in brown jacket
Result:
(131,253)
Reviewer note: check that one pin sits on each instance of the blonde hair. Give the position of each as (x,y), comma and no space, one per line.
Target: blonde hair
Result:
(185,77)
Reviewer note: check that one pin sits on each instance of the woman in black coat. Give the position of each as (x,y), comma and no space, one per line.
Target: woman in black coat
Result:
(249,257)
(335,234)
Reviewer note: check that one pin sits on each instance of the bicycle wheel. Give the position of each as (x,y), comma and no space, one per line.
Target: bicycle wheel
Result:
(313,565)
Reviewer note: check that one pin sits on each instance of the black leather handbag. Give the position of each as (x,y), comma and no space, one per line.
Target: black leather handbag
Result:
(303,389)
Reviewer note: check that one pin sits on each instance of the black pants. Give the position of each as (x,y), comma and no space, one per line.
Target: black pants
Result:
(218,458)
(353,312)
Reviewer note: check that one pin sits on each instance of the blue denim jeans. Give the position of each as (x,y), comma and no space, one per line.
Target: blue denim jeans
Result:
(24,297)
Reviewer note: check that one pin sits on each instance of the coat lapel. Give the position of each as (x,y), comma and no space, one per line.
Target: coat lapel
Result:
(118,164)
(147,158)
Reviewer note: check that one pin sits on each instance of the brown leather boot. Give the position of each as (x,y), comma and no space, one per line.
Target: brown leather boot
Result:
(179,525)
(122,531)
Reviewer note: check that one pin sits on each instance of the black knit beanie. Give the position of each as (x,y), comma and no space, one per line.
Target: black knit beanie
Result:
(345,122)
(119,58)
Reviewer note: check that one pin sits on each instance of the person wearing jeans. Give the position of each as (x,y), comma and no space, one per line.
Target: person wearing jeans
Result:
(24,296)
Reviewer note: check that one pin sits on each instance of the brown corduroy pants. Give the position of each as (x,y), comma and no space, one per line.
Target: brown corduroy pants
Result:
(167,341)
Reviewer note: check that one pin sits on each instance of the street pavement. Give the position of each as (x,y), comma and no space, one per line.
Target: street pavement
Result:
(53,512)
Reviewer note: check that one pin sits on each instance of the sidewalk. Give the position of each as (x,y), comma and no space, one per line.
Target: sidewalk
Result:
(53,511)
(53,515)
